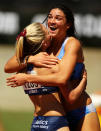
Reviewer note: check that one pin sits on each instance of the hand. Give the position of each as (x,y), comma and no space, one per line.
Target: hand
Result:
(84,76)
(42,59)
(17,80)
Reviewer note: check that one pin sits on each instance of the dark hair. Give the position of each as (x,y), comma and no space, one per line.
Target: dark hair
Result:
(69,17)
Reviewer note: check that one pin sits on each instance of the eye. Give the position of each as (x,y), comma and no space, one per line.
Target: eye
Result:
(49,16)
(59,18)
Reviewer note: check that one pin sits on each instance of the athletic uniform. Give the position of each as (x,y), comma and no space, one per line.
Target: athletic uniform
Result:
(75,115)
(48,123)
(43,123)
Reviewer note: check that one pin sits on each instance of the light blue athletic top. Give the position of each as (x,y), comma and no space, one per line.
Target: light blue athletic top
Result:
(77,73)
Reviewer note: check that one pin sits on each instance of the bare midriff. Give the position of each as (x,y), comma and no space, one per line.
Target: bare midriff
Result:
(47,105)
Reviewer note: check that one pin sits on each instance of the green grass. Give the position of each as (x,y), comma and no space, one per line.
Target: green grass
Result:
(16,121)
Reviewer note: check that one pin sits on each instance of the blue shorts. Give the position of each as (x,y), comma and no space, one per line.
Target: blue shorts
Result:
(48,123)
(74,116)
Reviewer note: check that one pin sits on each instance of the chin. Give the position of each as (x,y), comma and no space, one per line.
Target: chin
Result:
(52,34)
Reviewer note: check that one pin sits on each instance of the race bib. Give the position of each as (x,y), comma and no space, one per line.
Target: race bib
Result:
(30,86)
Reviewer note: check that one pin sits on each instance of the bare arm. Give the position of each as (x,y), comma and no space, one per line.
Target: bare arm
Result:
(73,94)
(12,65)
(40,60)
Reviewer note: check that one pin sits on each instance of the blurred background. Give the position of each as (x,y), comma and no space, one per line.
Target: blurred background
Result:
(16,110)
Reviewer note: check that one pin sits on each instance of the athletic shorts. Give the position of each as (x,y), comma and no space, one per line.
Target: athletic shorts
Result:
(48,123)
(74,116)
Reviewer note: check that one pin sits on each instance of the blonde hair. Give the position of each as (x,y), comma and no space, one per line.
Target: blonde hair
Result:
(33,39)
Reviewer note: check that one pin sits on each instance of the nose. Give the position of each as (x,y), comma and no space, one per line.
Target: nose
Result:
(52,20)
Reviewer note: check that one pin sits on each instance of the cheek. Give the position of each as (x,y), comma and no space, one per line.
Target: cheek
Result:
(63,27)
(48,44)
(48,22)
(45,45)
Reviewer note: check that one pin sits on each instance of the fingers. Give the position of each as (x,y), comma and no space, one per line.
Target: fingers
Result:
(49,62)
(46,65)
(85,73)
(12,83)
(51,59)
(10,78)
(43,60)
(45,53)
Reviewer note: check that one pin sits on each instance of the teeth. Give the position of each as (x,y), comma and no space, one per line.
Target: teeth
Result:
(52,28)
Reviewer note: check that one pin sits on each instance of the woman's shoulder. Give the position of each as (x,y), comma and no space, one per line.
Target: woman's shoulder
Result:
(72,39)
(73,42)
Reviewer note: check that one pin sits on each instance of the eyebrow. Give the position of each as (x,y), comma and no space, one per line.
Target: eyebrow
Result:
(56,15)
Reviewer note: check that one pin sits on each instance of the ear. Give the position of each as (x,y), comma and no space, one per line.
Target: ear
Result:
(68,26)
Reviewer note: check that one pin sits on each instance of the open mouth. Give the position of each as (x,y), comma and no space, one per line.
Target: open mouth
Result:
(53,28)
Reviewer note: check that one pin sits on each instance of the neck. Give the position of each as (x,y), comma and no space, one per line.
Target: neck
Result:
(55,45)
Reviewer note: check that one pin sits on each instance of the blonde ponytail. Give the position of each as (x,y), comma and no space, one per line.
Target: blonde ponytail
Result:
(32,37)
(19,49)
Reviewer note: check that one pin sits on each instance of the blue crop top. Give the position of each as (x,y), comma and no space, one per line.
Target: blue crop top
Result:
(37,89)
(77,73)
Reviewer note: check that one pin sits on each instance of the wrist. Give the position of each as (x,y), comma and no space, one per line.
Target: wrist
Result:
(84,78)
(30,59)
(28,78)
(26,60)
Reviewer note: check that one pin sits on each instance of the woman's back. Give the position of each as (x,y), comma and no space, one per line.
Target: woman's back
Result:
(48,104)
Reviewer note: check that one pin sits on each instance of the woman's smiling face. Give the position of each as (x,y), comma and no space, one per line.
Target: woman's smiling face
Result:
(57,23)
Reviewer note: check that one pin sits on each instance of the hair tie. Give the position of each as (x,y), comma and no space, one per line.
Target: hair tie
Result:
(23,33)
